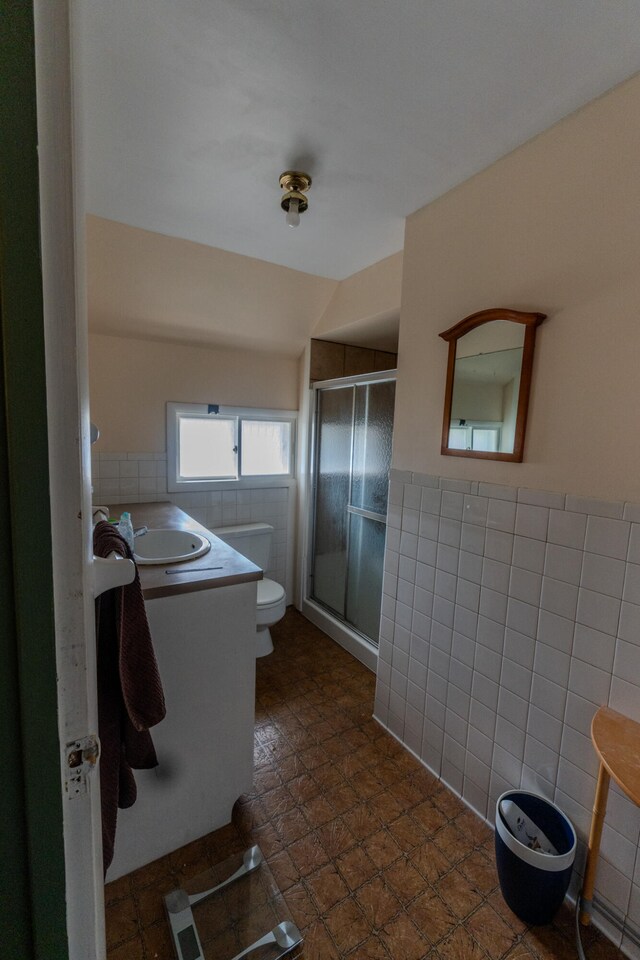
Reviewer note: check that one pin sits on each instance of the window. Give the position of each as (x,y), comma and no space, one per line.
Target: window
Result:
(474,436)
(210,446)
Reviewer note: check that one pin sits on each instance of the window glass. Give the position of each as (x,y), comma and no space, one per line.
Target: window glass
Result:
(485,440)
(208,448)
(457,438)
(266,447)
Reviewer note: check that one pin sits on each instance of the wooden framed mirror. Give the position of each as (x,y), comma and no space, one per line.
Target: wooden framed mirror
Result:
(488,384)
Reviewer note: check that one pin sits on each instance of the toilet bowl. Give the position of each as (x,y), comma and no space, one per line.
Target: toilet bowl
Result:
(253,541)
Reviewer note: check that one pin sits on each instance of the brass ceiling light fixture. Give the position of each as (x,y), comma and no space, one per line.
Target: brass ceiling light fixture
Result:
(294,202)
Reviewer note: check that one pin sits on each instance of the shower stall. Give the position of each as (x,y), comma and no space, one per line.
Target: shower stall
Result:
(351,444)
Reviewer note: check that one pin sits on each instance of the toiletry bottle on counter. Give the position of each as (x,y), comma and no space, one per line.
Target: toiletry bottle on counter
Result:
(125,528)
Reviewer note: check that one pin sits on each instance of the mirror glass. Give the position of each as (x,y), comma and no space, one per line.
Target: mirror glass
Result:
(486,388)
(489,374)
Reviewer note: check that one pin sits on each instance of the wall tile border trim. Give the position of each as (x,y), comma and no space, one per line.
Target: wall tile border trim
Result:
(613,509)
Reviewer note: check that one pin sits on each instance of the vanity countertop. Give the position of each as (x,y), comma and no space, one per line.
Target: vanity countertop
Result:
(193,574)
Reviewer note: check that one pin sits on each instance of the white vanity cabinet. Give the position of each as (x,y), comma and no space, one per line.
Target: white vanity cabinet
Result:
(204,640)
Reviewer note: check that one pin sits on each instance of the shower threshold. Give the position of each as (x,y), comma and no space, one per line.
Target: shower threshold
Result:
(359,646)
(231,911)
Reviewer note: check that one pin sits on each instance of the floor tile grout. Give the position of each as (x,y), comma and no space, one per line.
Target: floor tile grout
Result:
(375,857)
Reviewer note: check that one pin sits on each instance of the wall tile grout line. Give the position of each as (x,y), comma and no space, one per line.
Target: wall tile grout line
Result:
(583,628)
(128,480)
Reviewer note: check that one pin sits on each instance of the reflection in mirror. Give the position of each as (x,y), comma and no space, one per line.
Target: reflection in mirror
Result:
(490,360)
(486,385)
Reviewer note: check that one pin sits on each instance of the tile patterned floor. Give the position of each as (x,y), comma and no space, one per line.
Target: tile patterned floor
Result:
(375,857)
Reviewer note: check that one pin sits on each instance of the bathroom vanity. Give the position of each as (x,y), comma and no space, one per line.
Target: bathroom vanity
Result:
(202,615)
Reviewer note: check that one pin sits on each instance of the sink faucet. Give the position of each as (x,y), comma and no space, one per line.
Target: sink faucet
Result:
(140,531)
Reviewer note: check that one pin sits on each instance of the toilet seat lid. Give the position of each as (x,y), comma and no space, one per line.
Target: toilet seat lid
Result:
(269,592)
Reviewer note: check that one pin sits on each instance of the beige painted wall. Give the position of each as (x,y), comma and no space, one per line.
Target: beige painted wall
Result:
(363,304)
(144,284)
(131,380)
(175,320)
(554,227)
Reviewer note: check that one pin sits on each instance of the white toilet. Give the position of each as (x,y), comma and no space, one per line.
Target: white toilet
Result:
(253,540)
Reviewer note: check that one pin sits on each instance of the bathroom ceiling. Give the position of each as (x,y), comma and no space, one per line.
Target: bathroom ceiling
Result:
(194,107)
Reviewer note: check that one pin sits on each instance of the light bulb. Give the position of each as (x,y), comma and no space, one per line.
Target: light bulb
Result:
(293,214)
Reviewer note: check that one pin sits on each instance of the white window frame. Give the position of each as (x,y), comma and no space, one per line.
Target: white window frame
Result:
(471,425)
(178,484)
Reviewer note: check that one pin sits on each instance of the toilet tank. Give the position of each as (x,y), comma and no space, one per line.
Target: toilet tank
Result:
(252,540)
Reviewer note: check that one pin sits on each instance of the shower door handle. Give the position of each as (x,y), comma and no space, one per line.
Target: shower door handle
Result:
(368,514)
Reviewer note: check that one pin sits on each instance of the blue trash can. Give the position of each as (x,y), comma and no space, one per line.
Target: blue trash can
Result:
(534,883)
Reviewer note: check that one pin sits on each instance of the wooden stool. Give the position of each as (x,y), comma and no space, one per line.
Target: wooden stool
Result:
(616,739)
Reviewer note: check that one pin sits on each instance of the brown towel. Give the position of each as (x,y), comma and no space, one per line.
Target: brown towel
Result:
(130,697)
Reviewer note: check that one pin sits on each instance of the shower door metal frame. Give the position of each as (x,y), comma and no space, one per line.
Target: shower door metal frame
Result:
(338,383)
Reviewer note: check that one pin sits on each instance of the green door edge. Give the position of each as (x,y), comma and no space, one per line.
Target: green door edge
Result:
(32,877)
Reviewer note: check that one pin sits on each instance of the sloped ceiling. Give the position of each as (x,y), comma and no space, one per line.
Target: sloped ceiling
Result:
(192,109)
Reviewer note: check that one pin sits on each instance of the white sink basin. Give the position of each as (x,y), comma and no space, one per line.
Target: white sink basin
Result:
(169,546)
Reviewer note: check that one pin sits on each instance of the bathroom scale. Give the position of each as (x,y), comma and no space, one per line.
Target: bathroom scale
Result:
(232,911)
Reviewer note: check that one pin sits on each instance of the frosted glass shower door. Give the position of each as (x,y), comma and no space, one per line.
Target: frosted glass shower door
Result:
(333,478)
(367,509)
(353,456)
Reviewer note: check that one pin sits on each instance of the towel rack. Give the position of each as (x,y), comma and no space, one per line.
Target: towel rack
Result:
(114,571)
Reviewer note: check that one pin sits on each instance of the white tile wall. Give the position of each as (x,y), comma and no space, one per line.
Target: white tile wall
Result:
(142,478)
(509,615)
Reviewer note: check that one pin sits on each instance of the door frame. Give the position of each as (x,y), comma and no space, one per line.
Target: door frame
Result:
(52,874)
(62,206)
(33,875)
